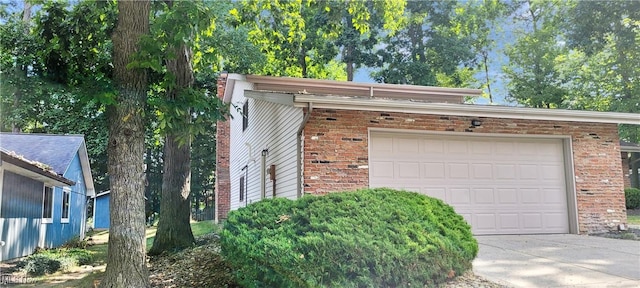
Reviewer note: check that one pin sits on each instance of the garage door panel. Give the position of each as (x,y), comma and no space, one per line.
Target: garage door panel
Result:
(433,170)
(458,170)
(432,146)
(482,148)
(528,171)
(408,170)
(484,196)
(482,171)
(460,196)
(457,147)
(381,144)
(382,169)
(435,192)
(531,220)
(509,221)
(504,148)
(505,171)
(507,196)
(499,185)
(406,145)
(552,172)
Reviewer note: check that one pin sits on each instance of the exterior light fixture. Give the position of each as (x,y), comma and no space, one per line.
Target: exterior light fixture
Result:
(476,123)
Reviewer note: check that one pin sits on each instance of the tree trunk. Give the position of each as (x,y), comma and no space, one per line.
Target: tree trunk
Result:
(126,260)
(21,68)
(174,231)
(485,59)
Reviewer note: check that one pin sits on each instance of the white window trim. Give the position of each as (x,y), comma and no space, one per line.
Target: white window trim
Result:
(62,219)
(53,196)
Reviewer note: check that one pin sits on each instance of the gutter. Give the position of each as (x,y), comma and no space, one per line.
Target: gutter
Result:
(299,148)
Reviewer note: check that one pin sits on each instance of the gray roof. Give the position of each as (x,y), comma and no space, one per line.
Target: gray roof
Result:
(56,151)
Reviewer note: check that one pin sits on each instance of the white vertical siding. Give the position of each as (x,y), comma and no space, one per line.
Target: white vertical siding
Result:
(273,127)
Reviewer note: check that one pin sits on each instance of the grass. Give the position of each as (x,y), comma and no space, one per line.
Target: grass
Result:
(198,229)
(633,219)
(88,275)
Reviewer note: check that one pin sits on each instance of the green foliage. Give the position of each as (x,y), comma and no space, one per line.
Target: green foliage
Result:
(367,238)
(534,79)
(50,261)
(632,198)
(431,43)
(39,264)
(76,242)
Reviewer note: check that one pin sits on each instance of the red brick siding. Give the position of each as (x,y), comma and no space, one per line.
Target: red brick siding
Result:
(625,169)
(222,180)
(336,155)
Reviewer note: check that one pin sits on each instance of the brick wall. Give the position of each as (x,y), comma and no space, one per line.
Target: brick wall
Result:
(336,155)
(222,180)
(625,169)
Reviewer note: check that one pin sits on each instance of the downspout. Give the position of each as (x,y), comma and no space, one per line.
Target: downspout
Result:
(299,148)
(263,174)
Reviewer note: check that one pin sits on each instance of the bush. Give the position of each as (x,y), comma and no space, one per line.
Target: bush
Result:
(80,256)
(367,238)
(632,198)
(76,242)
(52,260)
(40,264)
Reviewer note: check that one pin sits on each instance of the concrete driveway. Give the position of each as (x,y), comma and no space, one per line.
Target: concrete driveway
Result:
(558,261)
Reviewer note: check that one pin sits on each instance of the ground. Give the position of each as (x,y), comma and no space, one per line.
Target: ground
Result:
(201,265)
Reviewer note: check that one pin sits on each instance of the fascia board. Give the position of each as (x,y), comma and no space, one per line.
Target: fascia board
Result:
(350,103)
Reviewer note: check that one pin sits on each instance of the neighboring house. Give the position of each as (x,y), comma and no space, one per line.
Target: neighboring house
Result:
(101,218)
(628,149)
(507,170)
(22,186)
(64,216)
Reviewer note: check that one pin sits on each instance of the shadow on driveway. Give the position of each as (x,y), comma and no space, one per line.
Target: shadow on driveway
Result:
(558,260)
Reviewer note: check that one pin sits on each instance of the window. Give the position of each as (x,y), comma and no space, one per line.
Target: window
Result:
(47,205)
(66,194)
(245,115)
(241,196)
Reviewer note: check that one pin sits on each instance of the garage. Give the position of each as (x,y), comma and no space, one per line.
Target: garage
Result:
(499,184)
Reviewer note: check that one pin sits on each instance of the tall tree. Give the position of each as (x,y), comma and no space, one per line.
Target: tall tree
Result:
(174,231)
(605,36)
(479,20)
(126,260)
(303,38)
(534,80)
(428,50)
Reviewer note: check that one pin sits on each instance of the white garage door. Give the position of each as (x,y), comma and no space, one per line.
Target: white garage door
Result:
(499,185)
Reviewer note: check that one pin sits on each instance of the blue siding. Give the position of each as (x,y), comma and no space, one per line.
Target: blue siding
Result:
(101,218)
(59,233)
(21,215)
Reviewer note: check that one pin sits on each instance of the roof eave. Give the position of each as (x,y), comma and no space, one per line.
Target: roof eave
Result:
(27,169)
(354,103)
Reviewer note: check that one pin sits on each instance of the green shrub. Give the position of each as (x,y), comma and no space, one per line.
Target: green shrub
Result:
(76,242)
(80,256)
(367,238)
(52,260)
(40,264)
(632,198)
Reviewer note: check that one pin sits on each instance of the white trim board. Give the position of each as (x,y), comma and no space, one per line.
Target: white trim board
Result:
(470,110)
